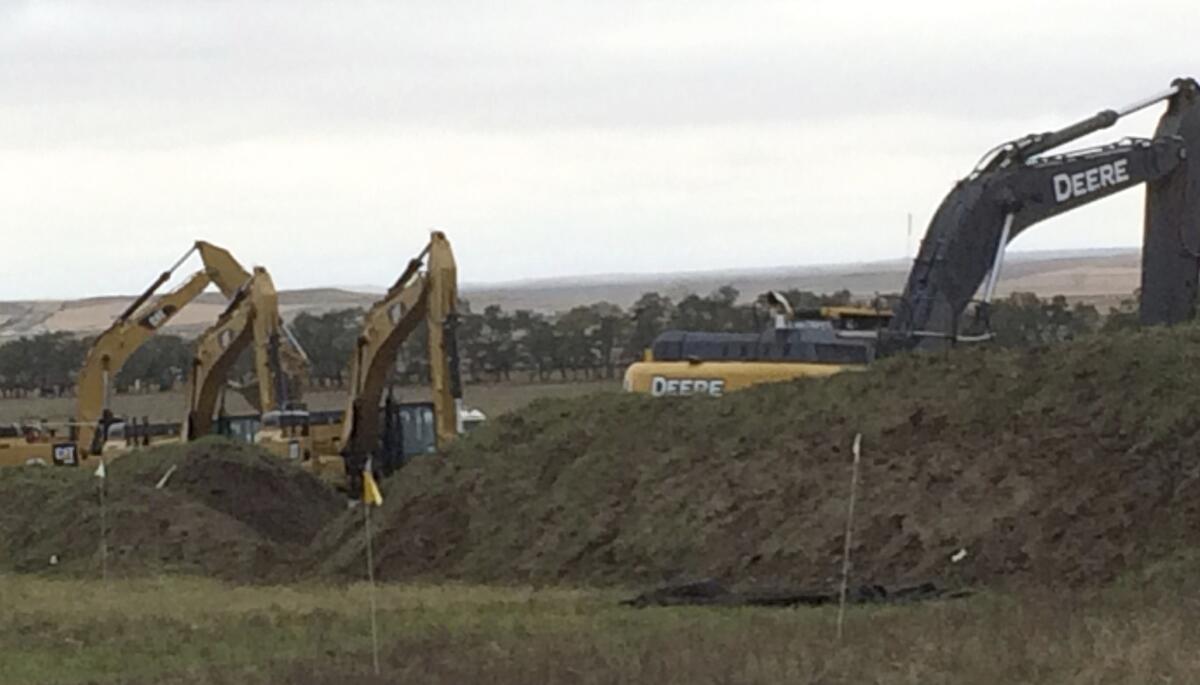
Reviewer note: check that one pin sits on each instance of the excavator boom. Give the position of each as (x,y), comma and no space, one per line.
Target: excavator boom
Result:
(428,295)
(223,270)
(217,350)
(110,351)
(1020,186)
(252,316)
(270,335)
(147,315)
(442,319)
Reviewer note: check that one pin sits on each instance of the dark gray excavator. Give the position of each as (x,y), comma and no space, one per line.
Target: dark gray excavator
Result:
(1019,184)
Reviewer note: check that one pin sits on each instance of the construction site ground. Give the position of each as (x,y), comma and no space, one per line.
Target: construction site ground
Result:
(491,398)
(1059,484)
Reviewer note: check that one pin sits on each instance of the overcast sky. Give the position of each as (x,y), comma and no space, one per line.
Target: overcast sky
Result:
(324,139)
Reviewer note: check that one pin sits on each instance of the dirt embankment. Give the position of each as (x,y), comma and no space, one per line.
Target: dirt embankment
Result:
(227,511)
(1064,465)
(1060,466)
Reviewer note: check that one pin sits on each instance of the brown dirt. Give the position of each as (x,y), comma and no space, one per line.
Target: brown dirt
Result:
(279,503)
(228,511)
(1060,466)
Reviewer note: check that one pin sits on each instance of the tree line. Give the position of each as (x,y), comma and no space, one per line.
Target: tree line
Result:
(585,342)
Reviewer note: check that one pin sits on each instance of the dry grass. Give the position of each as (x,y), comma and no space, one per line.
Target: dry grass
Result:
(493,398)
(191,631)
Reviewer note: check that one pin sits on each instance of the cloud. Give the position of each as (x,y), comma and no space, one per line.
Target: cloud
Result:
(548,138)
(273,66)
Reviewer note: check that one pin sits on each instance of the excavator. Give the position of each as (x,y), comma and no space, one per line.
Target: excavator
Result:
(427,291)
(1016,185)
(34,443)
(1022,182)
(251,317)
(799,344)
(141,320)
(388,435)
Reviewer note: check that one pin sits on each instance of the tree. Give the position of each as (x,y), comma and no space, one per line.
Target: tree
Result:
(717,312)
(614,326)
(162,362)
(47,362)
(329,340)
(1123,317)
(1023,319)
(499,350)
(651,315)
(542,344)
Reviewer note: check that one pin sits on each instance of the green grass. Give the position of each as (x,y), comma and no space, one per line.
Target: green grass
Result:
(1068,464)
(1062,465)
(190,631)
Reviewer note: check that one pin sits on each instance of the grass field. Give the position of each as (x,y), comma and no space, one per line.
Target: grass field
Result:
(190,631)
(492,399)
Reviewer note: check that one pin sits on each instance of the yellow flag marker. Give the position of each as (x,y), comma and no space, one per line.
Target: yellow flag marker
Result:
(371,494)
(371,497)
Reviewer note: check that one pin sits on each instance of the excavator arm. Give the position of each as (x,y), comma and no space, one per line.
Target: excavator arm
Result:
(271,336)
(1019,186)
(278,352)
(146,315)
(217,350)
(140,320)
(442,320)
(109,352)
(222,269)
(269,341)
(420,294)
(252,316)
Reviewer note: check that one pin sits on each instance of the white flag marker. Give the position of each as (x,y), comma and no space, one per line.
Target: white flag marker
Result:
(841,618)
(162,482)
(102,474)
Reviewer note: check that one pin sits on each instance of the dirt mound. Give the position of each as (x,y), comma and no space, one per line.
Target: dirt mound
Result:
(228,511)
(1063,465)
(276,500)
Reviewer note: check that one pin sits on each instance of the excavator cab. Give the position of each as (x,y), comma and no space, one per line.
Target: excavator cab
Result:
(409,430)
(283,433)
(798,344)
(241,428)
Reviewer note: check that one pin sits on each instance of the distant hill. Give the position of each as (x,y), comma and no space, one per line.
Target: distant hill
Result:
(1099,276)
(1102,277)
(92,315)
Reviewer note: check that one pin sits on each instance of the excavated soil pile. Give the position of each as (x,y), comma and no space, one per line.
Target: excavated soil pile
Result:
(1061,466)
(227,510)
(279,502)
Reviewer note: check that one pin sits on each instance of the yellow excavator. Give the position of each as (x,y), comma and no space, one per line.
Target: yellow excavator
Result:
(388,433)
(25,443)
(799,344)
(372,426)
(251,317)
(141,320)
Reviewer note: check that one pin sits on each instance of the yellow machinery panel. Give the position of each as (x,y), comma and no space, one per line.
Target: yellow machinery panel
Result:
(665,379)
(20,451)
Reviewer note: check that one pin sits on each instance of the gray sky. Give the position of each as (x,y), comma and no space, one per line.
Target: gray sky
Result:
(324,139)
